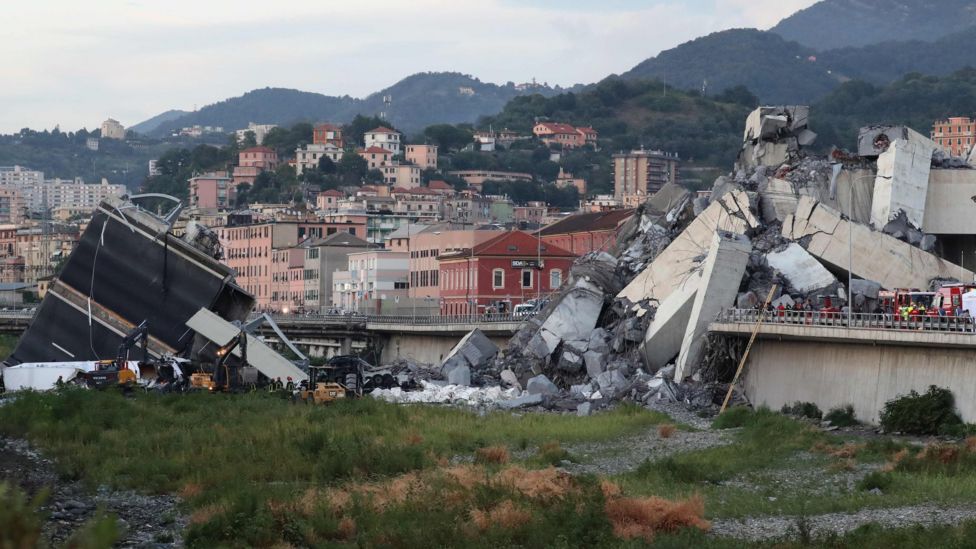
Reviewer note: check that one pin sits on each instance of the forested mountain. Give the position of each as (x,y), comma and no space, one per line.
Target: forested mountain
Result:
(411,104)
(147,126)
(778,71)
(831,24)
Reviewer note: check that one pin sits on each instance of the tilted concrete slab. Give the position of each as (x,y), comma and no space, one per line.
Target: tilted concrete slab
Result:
(720,279)
(662,343)
(853,195)
(804,273)
(876,256)
(683,256)
(259,355)
(902,180)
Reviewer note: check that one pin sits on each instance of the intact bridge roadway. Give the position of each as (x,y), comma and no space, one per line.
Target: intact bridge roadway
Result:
(420,338)
(863,360)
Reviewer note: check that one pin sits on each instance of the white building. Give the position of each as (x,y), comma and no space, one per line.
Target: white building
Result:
(375,279)
(72,194)
(154,169)
(260,130)
(19,176)
(384,138)
(111,129)
(309,156)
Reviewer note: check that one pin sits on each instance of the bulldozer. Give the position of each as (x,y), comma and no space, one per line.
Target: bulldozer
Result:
(116,372)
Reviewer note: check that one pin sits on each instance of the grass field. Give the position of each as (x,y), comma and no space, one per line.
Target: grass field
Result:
(255,470)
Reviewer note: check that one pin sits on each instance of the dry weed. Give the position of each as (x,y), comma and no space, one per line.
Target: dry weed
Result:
(492,454)
(848,450)
(190,490)
(644,517)
(347,528)
(543,484)
(205,513)
(505,515)
(414,438)
(842,465)
(665,430)
(610,489)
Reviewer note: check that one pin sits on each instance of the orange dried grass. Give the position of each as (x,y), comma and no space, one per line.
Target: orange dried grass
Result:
(492,454)
(665,430)
(645,517)
(505,515)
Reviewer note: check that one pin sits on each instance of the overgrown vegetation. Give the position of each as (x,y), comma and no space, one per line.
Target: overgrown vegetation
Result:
(242,462)
(808,410)
(931,413)
(842,416)
(21,524)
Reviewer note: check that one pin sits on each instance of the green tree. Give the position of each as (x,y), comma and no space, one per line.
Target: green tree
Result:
(374,176)
(327,166)
(448,137)
(250,139)
(352,168)
(353,131)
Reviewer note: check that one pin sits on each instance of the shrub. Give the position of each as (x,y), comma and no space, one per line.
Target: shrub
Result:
(491,454)
(666,430)
(875,479)
(841,417)
(20,525)
(551,453)
(928,414)
(802,409)
(738,416)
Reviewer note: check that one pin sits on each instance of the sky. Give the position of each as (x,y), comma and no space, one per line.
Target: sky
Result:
(74,63)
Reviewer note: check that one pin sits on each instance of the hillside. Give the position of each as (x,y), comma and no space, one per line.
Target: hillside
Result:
(831,24)
(889,61)
(915,101)
(417,101)
(776,70)
(634,113)
(147,126)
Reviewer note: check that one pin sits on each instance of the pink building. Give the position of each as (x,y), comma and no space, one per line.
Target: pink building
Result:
(261,157)
(424,156)
(533,212)
(376,157)
(569,137)
(214,190)
(287,280)
(328,200)
(249,250)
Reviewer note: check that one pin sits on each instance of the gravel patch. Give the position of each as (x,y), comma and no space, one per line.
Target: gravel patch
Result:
(143,520)
(774,528)
(806,473)
(627,454)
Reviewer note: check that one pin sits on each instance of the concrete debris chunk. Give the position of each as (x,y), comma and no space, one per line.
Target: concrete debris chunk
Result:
(509,378)
(460,375)
(873,141)
(540,385)
(584,409)
(474,350)
(876,256)
(521,402)
(805,274)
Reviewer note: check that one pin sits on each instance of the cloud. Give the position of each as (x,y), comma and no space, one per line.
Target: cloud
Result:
(76,63)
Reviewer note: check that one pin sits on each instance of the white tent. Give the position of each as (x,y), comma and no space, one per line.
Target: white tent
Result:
(969,303)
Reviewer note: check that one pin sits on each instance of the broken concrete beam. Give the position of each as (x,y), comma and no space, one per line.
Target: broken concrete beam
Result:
(805,274)
(662,341)
(867,288)
(769,122)
(474,348)
(872,141)
(573,318)
(902,181)
(520,402)
(730,212)
(142,273)
(876,256)
(777,199)
(460,375)
(721,275)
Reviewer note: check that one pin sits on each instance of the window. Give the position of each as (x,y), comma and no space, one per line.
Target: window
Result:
(498,279)
(526,278)
(555,279)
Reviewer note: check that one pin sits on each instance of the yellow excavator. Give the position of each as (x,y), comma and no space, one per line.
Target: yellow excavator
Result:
(341,378)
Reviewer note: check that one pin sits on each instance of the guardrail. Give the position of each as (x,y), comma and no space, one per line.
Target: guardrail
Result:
(417,320)
(17,313)
(867,321)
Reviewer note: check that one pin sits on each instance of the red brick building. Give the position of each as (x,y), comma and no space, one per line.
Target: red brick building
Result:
(500,273)
(586,232)
(957,134)
(328,134)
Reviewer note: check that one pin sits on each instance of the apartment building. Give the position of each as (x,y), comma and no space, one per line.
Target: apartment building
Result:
(213,190)
(956,134)
(384,138)
(639,174)
(423,156)
(323,257)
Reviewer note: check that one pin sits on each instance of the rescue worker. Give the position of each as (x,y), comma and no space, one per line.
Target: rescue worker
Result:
(781,310)
(290,386)
(277,384)
(60,382)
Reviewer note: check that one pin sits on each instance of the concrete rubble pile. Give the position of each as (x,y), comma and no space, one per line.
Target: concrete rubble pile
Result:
(632,324)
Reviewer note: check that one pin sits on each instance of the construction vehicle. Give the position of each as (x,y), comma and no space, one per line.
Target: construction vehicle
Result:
(340,377)
(320,388)
(116,372)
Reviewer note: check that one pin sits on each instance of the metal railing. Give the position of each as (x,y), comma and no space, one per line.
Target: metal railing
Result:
(416,320)
(867,321)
